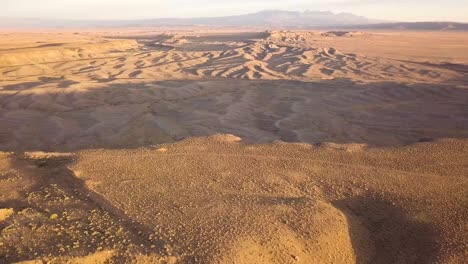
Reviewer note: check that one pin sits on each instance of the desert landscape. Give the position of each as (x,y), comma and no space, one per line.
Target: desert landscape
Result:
(223,145)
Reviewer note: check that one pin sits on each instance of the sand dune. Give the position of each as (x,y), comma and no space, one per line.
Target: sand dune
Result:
(148,146)
(261,56)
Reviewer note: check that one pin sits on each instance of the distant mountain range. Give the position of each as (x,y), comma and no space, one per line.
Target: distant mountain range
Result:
(414,26)
(272,19)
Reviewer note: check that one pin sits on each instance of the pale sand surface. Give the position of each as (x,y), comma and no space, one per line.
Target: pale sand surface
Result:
(233,147)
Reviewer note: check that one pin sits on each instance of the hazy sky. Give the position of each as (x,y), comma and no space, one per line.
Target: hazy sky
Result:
(401,10)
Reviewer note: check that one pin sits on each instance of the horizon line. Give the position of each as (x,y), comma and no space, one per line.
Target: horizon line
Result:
(382,21)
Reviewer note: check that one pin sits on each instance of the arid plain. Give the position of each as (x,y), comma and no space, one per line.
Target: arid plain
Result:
(217,146)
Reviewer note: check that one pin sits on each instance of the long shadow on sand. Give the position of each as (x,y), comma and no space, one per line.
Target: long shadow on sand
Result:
(395,237)
(132,115)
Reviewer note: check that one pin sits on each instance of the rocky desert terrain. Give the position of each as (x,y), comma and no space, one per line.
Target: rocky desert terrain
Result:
(232,146)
